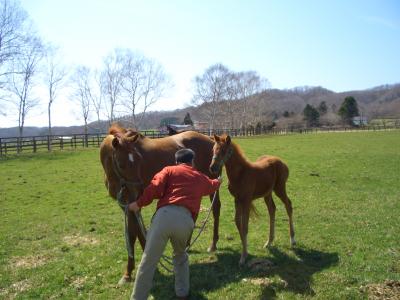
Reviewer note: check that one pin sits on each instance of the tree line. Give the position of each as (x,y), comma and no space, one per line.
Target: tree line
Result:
(347,111)
(127,83)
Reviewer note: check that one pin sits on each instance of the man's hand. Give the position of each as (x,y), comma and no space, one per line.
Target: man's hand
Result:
(220,179)
(133,207)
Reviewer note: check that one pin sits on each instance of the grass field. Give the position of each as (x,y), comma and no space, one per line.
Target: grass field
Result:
(61,236)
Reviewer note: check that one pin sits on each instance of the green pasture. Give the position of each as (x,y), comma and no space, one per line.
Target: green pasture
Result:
(61,236)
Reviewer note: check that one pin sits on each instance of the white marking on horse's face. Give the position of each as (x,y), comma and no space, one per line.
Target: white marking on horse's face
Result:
(130,155)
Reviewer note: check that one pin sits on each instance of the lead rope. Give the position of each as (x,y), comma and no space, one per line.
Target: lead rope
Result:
(165,258)
(204,223)
(142,227)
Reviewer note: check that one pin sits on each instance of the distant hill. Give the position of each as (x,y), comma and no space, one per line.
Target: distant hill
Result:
(266,107)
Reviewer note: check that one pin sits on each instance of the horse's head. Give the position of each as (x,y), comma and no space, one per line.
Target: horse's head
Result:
(127,161)
(221,152)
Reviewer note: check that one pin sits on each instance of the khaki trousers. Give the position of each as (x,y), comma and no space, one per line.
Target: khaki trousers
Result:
(174,223)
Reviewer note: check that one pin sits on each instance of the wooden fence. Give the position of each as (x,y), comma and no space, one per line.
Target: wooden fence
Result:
(33,144)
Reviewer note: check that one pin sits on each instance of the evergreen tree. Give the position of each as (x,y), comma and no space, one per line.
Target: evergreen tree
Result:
(311,115)
(187,120)
(322,108)
(348,110)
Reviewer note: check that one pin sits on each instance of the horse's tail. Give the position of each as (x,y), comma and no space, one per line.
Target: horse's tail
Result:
(253,210)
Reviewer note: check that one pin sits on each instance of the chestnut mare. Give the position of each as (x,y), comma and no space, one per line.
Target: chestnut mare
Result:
(138,158)
(249,181)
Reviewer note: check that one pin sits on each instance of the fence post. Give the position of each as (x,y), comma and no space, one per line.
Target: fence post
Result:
(61,143)
(48,143)
(1,148)
(34,145)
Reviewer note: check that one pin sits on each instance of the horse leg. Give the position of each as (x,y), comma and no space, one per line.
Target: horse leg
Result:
(216,212)
(242,211)
(280,191)
(271,211)
(130,265)
(132,235)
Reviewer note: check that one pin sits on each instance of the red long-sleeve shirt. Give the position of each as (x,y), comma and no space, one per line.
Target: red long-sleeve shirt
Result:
(180,185)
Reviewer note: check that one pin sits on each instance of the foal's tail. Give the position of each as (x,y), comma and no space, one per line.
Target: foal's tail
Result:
(282,173)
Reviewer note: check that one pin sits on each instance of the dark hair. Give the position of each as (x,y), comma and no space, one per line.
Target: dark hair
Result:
(184,156)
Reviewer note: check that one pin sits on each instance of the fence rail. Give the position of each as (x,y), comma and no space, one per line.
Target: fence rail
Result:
(33,144)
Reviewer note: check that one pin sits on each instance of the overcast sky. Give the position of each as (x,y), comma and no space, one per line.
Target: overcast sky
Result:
(340,45)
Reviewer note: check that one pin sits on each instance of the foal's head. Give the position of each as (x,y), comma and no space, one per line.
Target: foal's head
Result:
(221,152)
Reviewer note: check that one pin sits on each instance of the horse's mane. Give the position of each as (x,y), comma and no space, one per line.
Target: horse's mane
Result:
(119,131)
(116,129)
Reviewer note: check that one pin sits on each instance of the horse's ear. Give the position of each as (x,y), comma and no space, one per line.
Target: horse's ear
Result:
(133,139)
(115,142)
(216,138)
(228,140)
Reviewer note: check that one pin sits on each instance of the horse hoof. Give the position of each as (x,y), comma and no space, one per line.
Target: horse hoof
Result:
(124,280)
(211,249)
(242,260)
(268,244)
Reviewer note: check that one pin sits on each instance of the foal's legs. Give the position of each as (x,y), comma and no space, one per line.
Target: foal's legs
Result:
(216,212)
(280,191)
(242,210)
(271,211)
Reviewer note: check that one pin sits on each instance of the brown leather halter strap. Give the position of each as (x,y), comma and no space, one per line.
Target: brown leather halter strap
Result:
(124,183)
(224,159)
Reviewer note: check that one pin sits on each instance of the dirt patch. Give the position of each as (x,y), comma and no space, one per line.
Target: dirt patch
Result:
(78,240)
(18,287)
(208,259)
(260,264)
(265,281)
(28,262)
(389,290)
(79,283)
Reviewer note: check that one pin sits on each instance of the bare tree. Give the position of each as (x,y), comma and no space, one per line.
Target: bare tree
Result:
(21,80)
(132,82)
(144,82)
(155,83)
(211,89)
(249,83)
(12,19)
(232,94)
(97,96)
(81,84)
(54,78)
(111,81)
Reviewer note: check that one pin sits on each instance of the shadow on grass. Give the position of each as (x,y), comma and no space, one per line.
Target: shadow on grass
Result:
(294,271)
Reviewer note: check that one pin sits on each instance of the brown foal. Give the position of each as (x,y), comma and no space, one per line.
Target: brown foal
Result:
(249,181)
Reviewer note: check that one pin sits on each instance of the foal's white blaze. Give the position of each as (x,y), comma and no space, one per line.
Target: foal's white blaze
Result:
(130,155)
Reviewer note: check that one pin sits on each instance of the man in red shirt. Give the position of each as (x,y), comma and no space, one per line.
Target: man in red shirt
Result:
(179,189)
